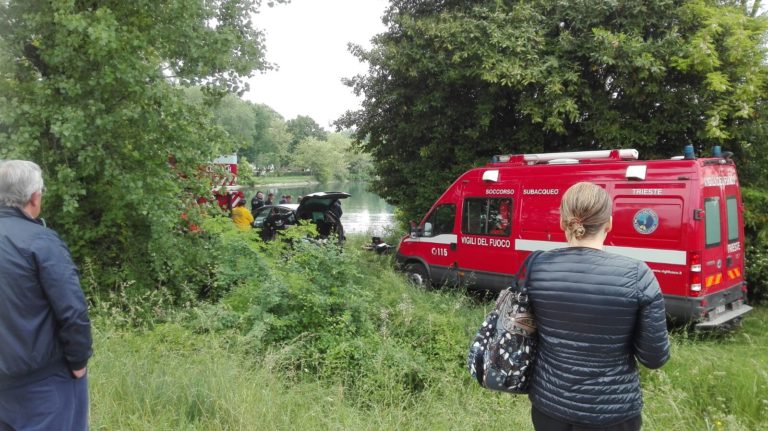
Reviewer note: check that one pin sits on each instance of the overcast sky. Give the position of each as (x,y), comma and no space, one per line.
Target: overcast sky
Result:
(307,40)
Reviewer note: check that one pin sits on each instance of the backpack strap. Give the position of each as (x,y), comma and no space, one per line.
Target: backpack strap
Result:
(521,279)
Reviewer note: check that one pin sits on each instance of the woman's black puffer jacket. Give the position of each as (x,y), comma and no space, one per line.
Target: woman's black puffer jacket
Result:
(597,313)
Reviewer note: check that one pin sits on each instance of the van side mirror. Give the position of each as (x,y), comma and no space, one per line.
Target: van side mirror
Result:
(427,229)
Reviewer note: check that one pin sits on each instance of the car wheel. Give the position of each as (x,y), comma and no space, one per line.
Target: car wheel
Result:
(417,274)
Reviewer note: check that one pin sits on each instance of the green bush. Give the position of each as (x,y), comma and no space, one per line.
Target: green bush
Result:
(756,238)
(214,366)
(320,310)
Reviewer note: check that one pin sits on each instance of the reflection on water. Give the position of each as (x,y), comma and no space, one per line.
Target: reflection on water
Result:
(367,222)
(364,212)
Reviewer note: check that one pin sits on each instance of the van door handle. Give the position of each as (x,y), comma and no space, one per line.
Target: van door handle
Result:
(728,261)
(453,246)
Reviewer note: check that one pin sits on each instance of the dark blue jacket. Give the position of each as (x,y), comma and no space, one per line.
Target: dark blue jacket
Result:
(598,314)
(44,323)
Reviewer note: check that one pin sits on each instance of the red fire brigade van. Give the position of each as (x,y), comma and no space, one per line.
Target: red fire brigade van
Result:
(682,216)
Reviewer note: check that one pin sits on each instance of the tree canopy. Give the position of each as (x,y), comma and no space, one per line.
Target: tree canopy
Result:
(334,158)
(303,127)
(92,91)
(258,132)
(453,82)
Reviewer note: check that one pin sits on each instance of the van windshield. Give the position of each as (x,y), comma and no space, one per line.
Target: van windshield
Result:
(440,221)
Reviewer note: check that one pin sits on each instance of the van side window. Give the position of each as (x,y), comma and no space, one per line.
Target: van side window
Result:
(440,221)
(712,218)
(487,216)
(732,212)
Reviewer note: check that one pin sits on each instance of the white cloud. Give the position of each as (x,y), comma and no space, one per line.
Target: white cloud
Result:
(307,40)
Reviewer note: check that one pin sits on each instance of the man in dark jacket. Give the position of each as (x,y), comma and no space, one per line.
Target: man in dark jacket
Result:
(257,202)
(45,332)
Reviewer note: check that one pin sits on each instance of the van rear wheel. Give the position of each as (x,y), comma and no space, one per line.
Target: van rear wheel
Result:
(417,274)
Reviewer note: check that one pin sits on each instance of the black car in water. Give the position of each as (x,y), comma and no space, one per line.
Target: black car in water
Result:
(321,208)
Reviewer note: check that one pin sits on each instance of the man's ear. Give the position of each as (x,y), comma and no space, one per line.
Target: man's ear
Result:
(35,205)
(37,197)
(609,225)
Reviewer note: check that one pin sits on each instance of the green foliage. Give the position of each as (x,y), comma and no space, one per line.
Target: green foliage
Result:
(452,83)
(89,91)
(301,128)
(332,158)
(756,238)
(244,122)
(245,171)
(256,131)
(397,362)
(330,317)
(322,159)
(326,159)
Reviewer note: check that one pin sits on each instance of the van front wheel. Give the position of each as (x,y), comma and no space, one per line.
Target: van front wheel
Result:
(417,274)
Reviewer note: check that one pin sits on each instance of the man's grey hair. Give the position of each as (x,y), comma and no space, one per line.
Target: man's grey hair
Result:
(19,180)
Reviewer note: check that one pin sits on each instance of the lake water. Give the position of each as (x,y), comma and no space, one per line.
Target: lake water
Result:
(364,212)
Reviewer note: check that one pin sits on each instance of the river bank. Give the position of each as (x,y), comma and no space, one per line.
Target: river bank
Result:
(287,181)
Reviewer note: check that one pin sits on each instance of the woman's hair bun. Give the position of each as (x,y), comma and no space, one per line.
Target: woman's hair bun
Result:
(576,227)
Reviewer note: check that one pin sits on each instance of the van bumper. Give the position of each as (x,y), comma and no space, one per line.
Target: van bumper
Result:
(733,310)
(721,307)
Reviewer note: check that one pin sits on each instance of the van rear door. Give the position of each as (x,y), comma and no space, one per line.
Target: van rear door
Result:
(734,261)
(722,263)
(722,260)
(715,245)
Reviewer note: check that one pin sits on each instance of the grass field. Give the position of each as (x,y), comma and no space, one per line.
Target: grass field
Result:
(199,371)
(172,379)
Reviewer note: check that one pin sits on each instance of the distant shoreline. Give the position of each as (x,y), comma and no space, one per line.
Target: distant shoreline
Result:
(298,184)
(296,181)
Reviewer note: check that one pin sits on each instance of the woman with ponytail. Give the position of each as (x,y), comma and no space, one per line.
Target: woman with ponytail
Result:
(598,315)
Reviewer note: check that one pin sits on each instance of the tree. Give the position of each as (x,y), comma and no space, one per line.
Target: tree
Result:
(301,128)
(325,159)
(358,163)
(242,121)
(91,90)
(270,145)
(453,82)
(256,131)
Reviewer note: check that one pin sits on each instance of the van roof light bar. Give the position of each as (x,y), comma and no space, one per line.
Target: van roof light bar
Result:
(532,159)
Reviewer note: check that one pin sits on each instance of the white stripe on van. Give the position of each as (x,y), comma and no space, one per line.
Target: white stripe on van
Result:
(655,255)
(446,238)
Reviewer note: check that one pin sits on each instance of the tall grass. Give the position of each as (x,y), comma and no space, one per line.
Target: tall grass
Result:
(171,379)
(360,349)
